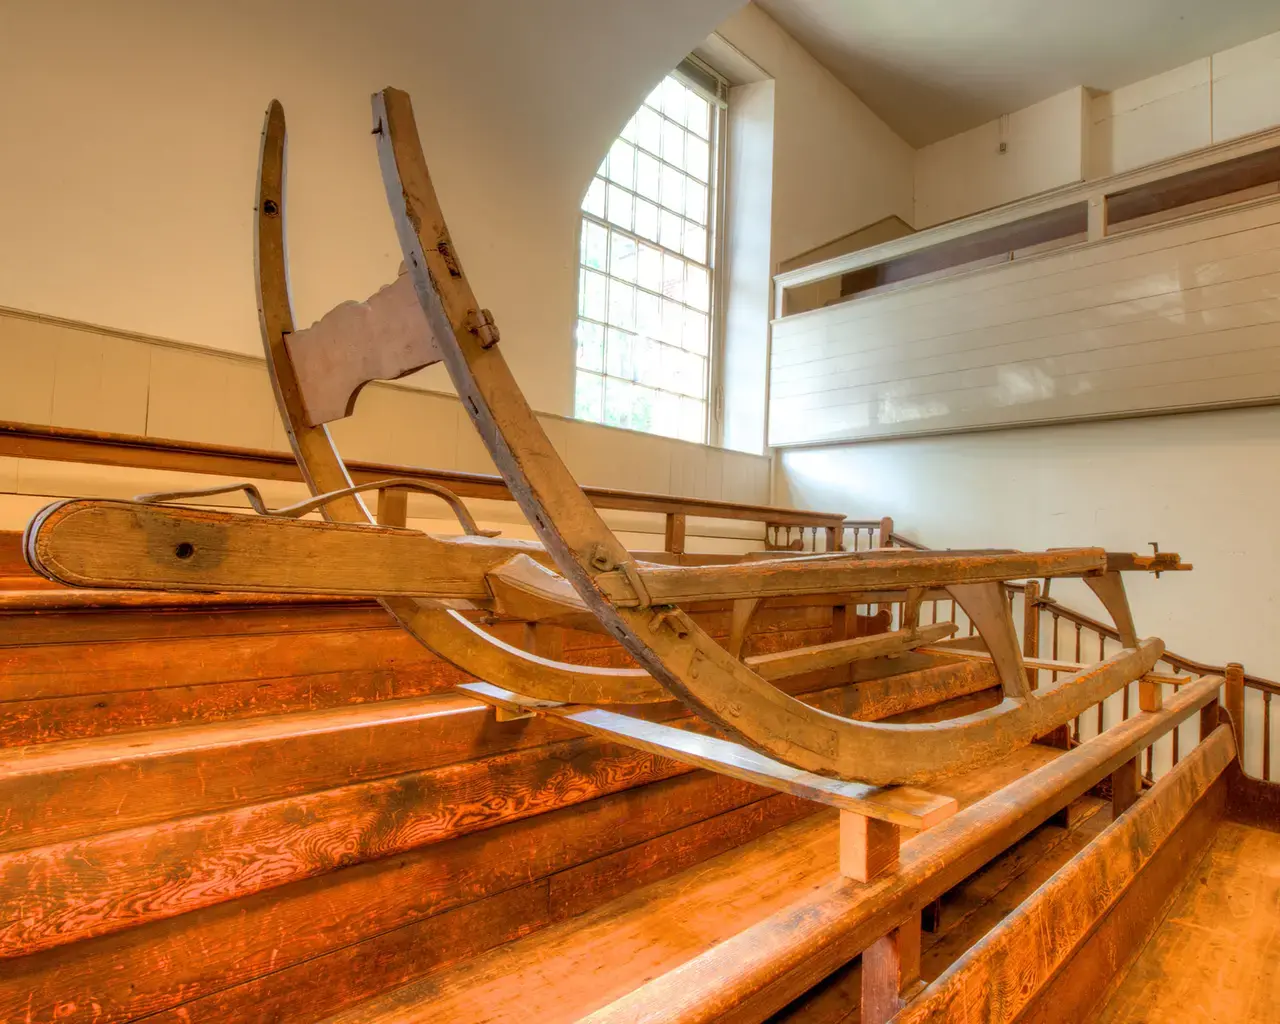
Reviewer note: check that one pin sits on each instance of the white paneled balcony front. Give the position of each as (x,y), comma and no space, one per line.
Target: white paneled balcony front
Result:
(1149,292)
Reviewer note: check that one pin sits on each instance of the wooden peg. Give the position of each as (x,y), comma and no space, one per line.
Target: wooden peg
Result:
(868,846)
(1234,702)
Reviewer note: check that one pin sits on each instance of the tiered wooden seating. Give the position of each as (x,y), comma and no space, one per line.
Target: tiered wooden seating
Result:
(248,808)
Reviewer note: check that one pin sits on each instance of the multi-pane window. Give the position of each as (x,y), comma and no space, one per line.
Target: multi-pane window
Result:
(645,296)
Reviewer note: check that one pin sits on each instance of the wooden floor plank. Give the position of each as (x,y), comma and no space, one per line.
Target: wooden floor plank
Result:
(570,969)
(171,962)
(1216,956)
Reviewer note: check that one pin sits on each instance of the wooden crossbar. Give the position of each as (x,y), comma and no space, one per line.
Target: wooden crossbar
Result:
(900,805)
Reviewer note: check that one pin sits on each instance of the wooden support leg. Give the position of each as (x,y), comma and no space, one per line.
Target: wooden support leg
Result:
(674,541)
(1150,695)
(890,968)
(1031,629)
(868,846)
(931,916)
(393,507)
(1126,786)
(1070,816)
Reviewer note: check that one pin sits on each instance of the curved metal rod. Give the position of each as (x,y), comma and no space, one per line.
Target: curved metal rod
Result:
(251,492)
(301,508)
(448,635)
(683,657)
(460,511)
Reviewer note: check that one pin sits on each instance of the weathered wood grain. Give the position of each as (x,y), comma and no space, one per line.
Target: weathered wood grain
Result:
(770,962)
(163,870)
(1214,956)
(1007,970)
(227,946)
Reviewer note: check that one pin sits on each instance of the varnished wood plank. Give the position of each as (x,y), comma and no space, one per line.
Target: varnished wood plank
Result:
(1215,955)
(565,972)
(1088,978)
(776,959)
(902,805)
(307,835)
(59,670)
(165,964)
(999,978)
(61,791)
(66,444)
(84,716)
(577,890)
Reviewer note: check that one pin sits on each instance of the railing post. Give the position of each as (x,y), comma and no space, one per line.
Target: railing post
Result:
(393,507)
(886,532)
(676,522)
(1031,628)
(835,538)
(1235,704)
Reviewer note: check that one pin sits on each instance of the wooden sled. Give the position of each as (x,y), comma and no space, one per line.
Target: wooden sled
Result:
(580,571)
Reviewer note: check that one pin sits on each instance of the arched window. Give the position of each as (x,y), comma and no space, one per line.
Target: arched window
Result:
(646,279)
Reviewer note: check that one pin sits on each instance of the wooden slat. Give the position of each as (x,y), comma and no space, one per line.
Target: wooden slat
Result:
(63,444)
(345,935)
(996,980)
(779,957)
(902,805)
(676,585)
(571,969)
(65,898)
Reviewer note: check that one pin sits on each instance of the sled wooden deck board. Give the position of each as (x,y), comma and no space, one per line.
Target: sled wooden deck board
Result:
(1216,955)
(580,965)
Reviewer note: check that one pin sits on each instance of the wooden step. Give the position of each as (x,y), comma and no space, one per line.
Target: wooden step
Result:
(579,966)
(963,915)
(83,664)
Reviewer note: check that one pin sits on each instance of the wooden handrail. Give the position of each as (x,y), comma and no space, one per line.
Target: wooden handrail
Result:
(64,444)
(1081,619)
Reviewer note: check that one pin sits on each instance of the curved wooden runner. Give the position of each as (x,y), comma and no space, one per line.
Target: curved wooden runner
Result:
(445,632)
(663,639)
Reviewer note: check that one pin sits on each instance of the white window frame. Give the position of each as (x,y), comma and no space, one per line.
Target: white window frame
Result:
(712,87)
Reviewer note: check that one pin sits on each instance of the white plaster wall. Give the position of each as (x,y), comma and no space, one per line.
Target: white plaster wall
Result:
(1201,484)
(1150,120)
(967,172)
(1246,88)
(1228,94)
(130,137)
(836,166)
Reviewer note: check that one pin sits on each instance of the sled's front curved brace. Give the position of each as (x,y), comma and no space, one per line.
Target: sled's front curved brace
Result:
(664,640)
(441,630)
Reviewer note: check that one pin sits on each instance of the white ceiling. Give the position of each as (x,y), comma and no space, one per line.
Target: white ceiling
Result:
(931,68)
